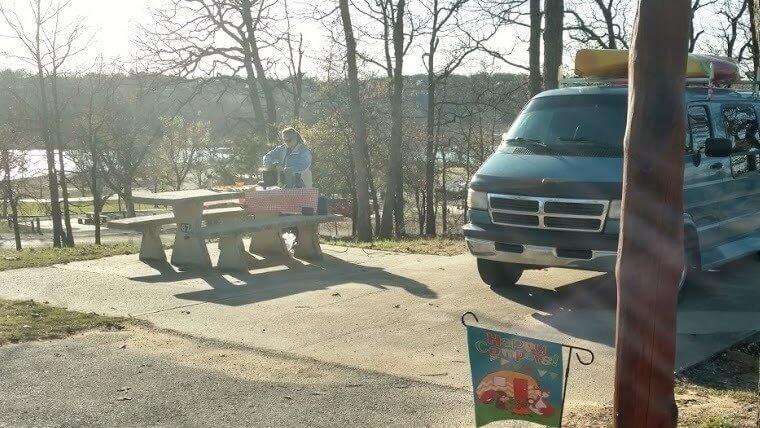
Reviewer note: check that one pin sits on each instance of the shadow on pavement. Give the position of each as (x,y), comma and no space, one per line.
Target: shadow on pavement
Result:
(586,309)
(243,288)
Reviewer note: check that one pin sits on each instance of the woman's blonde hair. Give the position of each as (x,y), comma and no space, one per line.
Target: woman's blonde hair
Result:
(291,132)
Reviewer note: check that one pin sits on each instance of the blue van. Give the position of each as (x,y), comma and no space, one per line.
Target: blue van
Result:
(550,194)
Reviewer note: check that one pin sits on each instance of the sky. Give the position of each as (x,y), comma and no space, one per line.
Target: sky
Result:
(113,22)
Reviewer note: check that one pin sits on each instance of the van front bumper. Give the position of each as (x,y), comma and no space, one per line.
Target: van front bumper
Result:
(544,248)
(534,255)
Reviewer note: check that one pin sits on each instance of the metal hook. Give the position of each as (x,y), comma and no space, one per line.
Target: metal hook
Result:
(578,356)
(469,313)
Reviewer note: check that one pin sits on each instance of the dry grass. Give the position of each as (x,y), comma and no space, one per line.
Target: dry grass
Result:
(434,246)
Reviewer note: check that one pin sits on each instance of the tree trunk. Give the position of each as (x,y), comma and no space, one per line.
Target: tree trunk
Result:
(375,197)
(351,183)
(554,12)
(609,20)
(429,219)
(444,194)
(393,206)
(55,207)
(754,24)
(651,258)
(253,95)
(397,119)
(266,87)
(534,48)
(96,191)
(69,238)
(359,154)
(11,197)
(128,202)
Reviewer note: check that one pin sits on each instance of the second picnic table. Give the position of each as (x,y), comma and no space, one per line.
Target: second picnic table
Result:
(189,247)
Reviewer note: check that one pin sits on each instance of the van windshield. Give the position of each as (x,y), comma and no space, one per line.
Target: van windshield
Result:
(573,125)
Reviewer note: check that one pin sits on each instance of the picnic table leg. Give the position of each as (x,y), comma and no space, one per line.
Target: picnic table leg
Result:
(189,246)
(269,243)
(232,254)
(151,247)
(307,246)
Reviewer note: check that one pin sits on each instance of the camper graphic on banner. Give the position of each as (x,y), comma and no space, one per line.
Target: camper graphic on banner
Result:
(515,378)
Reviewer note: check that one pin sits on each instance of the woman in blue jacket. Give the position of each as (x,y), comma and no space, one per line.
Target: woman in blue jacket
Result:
(292,159)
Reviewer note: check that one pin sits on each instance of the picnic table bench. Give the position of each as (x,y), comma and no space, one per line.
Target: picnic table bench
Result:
(151,247)
(267,237)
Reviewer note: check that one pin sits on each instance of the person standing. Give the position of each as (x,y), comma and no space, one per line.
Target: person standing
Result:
(292,159)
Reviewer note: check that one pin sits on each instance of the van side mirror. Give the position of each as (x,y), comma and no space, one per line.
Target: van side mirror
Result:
(718,147)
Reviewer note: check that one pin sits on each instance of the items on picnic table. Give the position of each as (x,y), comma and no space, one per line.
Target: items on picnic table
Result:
(284,201)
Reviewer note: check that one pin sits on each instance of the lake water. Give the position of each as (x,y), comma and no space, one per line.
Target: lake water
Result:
(35,164)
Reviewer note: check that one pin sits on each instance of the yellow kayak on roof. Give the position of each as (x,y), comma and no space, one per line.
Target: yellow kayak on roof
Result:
(613,63)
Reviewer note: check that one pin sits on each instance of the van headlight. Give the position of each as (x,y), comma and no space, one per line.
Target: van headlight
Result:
(477,200)
(615,209)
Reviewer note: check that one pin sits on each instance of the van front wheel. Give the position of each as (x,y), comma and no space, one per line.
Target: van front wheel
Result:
(497,274)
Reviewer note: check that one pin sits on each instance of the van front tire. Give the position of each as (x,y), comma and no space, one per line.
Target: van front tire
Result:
(498,274)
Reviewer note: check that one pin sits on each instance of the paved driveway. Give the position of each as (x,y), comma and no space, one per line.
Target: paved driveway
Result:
(390,313)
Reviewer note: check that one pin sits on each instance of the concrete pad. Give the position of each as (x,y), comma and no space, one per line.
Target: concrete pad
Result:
(397,314)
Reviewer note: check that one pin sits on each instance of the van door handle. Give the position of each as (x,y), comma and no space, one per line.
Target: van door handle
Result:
(716,165)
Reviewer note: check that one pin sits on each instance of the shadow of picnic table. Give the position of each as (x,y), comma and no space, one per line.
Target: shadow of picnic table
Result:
(273,279)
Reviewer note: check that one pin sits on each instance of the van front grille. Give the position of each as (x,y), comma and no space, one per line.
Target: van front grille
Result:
(548,213)
(574,208)
(516,219)
(522,205)
(571,223)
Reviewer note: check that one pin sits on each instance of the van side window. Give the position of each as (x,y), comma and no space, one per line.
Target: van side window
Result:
(741,127)
(699,128)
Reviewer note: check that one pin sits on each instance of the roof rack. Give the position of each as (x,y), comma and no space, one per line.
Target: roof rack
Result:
(708,82)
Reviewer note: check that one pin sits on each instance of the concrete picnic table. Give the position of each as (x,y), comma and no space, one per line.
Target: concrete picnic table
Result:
(189,247)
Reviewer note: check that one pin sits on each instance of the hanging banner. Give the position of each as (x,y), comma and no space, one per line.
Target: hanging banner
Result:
(515,378)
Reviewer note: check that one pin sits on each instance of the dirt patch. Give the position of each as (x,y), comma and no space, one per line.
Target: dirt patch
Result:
(233,361)
(719,393)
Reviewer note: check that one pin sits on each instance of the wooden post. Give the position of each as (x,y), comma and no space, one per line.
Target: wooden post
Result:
(651,239)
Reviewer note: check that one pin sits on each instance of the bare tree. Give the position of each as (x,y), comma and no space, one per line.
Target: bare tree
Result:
(295,55)
(554,13)
(91,128)
(216,38)
(133,132)
(445,22)
(695,34)
(734,42)
(359,152)
(47,44)
(181,145)
(396,42)
(651,249)
(12,167)
(603,23)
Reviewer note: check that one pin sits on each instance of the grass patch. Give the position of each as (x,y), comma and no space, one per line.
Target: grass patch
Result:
(39,257)
(717,422)
(27,208)
(434,246)
(27,321)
